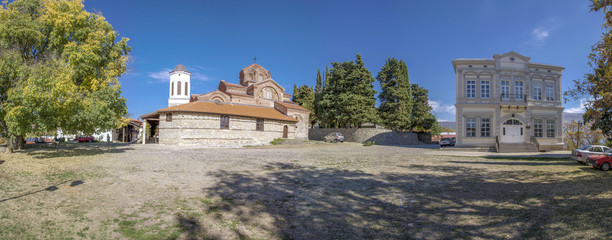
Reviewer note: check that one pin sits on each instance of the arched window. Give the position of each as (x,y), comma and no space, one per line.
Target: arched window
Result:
(267,93)
(186,88)
(178,88)
(172,89)
(512,122)
(260,78)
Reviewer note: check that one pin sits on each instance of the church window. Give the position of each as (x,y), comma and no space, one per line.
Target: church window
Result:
(260,124)
(178,88)
(172,89)
(260,78)
(168,117)
(267,93)
(224,122)
(186,88)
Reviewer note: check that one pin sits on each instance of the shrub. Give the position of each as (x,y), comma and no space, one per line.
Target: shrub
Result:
(368,143)
(277,141)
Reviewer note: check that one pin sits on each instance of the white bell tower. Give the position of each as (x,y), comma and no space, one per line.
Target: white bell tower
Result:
(180,86)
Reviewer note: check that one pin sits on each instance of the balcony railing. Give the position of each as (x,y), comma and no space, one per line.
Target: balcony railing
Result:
(513,97)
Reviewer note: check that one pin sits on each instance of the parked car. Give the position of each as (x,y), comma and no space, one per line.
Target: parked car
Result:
(447,142)
(602,161)
(334,137)
(85,139)
(580,155)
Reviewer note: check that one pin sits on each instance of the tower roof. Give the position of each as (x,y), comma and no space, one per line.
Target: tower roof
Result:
(254,65)
(180,67)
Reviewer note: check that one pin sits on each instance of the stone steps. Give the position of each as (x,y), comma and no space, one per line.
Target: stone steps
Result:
(517,147)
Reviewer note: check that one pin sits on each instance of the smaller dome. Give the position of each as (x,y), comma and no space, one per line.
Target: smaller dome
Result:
(180,67)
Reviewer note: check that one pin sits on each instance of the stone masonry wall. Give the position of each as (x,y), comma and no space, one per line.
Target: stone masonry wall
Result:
(204,129)
(380,136)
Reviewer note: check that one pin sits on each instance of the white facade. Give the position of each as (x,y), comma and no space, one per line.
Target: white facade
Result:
(180,86)
(509,99)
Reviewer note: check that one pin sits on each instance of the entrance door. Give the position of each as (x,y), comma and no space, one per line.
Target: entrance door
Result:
(285,130)
(512,131)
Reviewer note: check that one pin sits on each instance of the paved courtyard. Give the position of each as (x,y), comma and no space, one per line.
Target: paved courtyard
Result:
(300,191)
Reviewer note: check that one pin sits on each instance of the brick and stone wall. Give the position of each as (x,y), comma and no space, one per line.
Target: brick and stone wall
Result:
(380,136)
(204,129)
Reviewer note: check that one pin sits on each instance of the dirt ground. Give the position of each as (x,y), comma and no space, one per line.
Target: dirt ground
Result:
(298,191)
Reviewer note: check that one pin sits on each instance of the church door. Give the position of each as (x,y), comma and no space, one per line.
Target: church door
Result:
(285,130)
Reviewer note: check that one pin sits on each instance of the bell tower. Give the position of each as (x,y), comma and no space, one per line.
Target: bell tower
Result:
(180,86)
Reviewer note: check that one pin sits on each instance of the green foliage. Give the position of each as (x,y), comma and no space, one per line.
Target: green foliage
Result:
(305,96)
(348,96)
(59,68)
(396,97)
(277,141)
(369,143)
(576,135)
(422,119)
(596,87)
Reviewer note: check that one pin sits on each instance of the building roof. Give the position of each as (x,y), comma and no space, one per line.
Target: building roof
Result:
(180,67)
(254,65)
(229,109)
(292,105)
(232,84)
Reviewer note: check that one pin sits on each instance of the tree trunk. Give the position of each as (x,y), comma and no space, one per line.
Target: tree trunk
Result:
(18,143)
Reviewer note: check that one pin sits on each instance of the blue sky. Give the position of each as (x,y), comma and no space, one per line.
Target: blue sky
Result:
(292,39)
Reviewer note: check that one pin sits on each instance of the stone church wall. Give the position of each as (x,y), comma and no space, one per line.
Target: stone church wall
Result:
(204,129)
(380,136)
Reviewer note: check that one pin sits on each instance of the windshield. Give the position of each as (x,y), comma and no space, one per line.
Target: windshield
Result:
(585,147)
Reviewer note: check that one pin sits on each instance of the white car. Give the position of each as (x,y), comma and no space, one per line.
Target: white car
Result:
(580,155)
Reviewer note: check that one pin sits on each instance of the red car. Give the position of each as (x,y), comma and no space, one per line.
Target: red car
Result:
(85,139)
(602,161)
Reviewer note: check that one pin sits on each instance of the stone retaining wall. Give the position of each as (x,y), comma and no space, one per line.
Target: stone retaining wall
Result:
(380,136)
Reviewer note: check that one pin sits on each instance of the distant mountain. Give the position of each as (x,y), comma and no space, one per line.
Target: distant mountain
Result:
(567,117)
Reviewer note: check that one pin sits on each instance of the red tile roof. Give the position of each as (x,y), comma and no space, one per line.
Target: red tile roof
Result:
(293,105)
(229,109)
(233,84)
(254,65)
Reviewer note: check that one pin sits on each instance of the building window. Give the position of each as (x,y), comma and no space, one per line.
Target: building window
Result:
(550,128)
(267,93)
(186,88)
(537,91)
(260,124)
(224,122)
(168,117)
(485,127)
(537,127)
(485,90)
(172,89)
(549,92)
(518,89)
(470,127)
(260,78)
(178,88)
(505,89)
(470,88)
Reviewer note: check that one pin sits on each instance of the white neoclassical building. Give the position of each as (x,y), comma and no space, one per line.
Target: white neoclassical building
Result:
(509,103)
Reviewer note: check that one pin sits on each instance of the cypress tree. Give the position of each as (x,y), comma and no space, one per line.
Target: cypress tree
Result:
(294,92)
(422,119)
(396,97)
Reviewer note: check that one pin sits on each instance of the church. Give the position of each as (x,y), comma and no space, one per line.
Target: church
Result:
(254,112)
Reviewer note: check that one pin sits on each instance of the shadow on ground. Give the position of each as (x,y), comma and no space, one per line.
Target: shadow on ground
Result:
(51,188)
(434,202)
(74,149)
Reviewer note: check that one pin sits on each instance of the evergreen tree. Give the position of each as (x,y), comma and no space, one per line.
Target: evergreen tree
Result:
(422,119)
(396,96)
(294,92)
(305,96)
(348,99)
(317,96)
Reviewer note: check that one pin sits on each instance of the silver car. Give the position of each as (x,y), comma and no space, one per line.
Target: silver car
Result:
(580,155)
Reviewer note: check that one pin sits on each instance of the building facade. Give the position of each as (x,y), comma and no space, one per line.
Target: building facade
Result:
(254,112)
(508,100)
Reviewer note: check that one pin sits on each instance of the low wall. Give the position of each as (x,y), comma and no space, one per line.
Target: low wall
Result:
(380,136)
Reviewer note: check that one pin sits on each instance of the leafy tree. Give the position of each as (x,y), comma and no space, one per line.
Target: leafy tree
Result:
(305,96)
(422,118)
(598,85)
(348,97)
(396,96)
(59,68)
(577,135)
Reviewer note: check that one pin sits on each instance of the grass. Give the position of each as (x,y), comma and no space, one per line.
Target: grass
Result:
(277,141)
(368,143)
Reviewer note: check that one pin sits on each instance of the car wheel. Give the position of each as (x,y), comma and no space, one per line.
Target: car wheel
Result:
(605,166)
(90,140)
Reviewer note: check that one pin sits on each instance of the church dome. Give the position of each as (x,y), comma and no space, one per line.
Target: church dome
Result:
(253,73)
(180,67)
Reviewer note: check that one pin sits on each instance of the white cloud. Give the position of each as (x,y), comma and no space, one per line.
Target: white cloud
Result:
(579,109)
(439,107)
(163,76)
(540,33)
